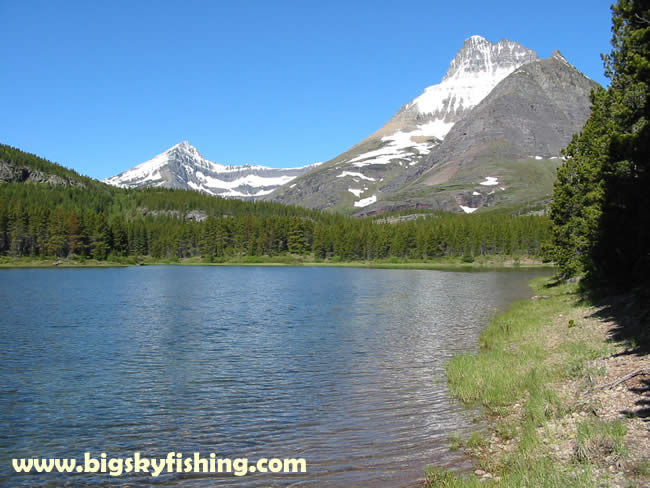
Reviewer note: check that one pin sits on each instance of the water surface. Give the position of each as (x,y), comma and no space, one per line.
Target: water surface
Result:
(341,366)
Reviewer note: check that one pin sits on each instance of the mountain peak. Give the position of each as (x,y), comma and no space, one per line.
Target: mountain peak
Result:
(475,39)
(477,68)
(478,55)
(186,146)
(185,149)
(558,55)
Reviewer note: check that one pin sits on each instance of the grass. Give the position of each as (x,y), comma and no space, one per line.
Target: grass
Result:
(642,468)
(511,358)
(37,262)
(599,438)
(522,354)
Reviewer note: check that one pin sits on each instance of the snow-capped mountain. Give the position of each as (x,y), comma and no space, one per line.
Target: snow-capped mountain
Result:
(477,68)
(182,166)
(412,133)
(490,133)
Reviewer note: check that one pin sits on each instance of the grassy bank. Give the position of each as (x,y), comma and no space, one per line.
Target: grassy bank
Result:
(34,262)
(536,376)
(443,263)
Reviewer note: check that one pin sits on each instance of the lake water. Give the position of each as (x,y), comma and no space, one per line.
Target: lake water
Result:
(343,367)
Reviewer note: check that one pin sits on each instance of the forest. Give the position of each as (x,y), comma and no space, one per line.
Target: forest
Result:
(92,220)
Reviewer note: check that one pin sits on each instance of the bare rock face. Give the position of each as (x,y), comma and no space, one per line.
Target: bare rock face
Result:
(12,173)
(183,167)
(537,109)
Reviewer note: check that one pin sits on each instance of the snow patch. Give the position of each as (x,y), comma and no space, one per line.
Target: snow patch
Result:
(398,146)
(475,193)
(355,175)
(356,192)
(366,201)
(468,209)
(248,180)
(490,181)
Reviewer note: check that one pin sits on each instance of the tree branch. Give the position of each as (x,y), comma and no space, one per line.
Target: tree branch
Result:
(643,20)
(624,379)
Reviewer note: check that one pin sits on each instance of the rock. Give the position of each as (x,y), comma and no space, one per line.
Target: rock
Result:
(479,472)
(11,173)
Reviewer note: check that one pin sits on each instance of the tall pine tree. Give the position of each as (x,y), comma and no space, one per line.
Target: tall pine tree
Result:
(601,209)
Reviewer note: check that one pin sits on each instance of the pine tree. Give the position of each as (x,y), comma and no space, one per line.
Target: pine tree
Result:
(601,209)
(56,234)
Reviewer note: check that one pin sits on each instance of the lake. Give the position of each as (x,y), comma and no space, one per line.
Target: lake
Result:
(343,367)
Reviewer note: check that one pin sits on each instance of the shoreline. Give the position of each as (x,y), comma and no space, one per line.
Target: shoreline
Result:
(491,263)
(546,376)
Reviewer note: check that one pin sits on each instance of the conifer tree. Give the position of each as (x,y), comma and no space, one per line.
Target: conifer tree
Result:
(601,209)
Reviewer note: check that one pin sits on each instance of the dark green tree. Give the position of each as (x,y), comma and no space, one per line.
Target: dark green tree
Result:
(601,209)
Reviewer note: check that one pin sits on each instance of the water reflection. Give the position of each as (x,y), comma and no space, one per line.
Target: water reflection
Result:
(344,367)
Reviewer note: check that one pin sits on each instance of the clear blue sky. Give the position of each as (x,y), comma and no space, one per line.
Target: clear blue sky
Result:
(102,85)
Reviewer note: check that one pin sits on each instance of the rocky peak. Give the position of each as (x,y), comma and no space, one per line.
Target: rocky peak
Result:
(184,148)
(478,56)
(558,55)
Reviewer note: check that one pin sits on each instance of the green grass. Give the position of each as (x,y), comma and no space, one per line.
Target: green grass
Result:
(642,468)
(599,438)
(36,262)
(476,440)
(511,361)
(455,442)
(579,352)
(436,477)
(517,363)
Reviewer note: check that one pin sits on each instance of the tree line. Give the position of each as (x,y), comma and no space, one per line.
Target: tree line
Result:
(44,221)
(95,220)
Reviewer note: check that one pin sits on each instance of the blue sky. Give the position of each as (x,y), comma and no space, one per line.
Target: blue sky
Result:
(102,86)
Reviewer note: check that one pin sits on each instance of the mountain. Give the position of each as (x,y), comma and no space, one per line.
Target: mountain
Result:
(356,178)
(506,150)
(183,167)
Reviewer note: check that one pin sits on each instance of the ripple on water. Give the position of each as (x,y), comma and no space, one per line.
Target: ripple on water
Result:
(344,367)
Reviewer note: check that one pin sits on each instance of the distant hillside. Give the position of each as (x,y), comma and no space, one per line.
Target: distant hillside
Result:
(19,166)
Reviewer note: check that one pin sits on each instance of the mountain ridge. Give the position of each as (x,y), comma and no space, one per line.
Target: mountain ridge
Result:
(182,166)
